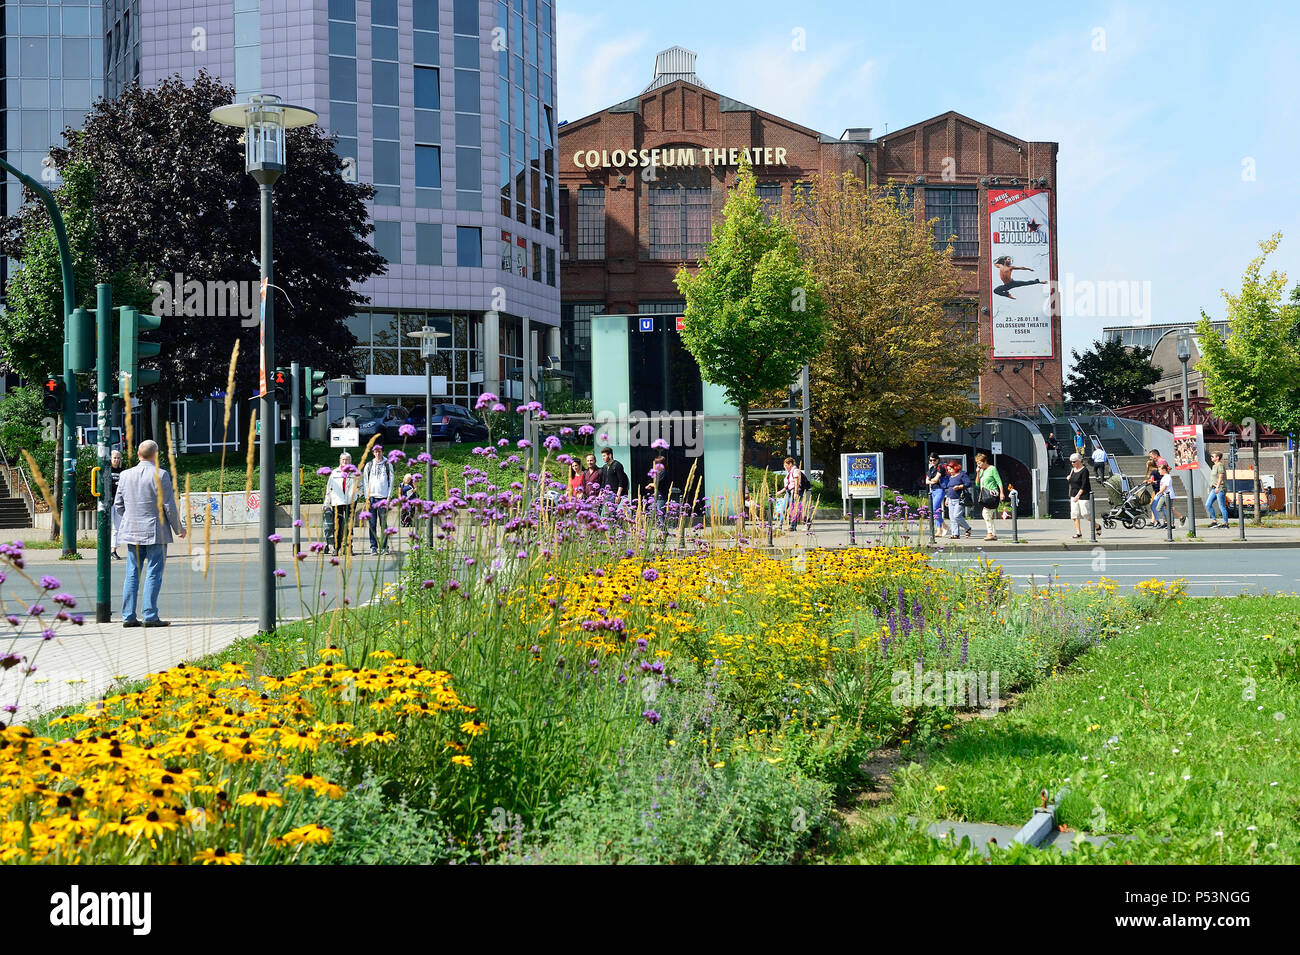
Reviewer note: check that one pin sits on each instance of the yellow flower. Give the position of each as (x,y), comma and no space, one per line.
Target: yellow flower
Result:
(148,825)
(312,834)
(218,856)
(261,799)
(473,727)
(940,789)
(462,761)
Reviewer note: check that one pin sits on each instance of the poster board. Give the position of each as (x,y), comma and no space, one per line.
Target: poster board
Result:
(861,475)
(1020,274)
(1189,447)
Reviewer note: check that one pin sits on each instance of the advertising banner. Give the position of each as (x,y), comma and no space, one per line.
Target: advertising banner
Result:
(860,475)
(1189,446)
(1020,306)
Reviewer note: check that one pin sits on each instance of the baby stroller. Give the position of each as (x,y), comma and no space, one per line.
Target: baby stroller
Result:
(1127,507)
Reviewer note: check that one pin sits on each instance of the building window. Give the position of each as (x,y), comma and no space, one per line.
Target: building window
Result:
(550,267)
(575,342)
(591,223)
(469,247)
(769,196)
(680,221)
(566,244)
(428,167)
(904,196)
(427,95)
(388,241)
(428,243)
(956,212)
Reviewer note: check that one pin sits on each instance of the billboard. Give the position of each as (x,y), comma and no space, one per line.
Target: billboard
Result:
(1189,446)
(1020,254)
(860,475)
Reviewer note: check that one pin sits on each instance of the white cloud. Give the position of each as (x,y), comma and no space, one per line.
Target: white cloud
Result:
(598,64)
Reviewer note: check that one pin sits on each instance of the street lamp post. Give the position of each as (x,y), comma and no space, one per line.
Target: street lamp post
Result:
(428,338)
(1184,356)
(265,120)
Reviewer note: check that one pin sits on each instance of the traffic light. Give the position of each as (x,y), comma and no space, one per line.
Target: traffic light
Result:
(281,386)
(313,393)
(52,395)
(130,349)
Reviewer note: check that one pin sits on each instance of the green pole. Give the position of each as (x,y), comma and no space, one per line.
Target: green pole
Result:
(69,476)
(105,386)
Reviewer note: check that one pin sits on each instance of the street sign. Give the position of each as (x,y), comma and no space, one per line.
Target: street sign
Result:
(647,324)
(345,437)
(996,447)
(681,323)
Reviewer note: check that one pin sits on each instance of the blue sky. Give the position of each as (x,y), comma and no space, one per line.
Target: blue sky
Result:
(1178,123)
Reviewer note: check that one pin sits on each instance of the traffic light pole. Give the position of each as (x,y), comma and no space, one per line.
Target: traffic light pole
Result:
(266,570)
(295,436)
(105,387)
(69,476)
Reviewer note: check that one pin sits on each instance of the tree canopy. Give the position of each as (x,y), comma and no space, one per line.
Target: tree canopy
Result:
(1112,374)
(893,360)
(168,195)
(753,311)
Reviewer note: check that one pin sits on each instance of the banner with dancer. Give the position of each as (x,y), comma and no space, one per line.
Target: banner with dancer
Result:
(1020,306)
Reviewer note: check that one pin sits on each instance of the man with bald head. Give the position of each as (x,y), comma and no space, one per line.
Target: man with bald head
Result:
(145,532)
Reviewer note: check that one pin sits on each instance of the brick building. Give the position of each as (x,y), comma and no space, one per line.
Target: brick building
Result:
(642,181)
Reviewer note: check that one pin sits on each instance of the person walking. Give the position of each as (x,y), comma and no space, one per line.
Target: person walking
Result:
(936,481)
(576,480)
(1080,495)
(1052,456)
(1218,490)
(592,478)
(377,484)
(1166,492)
(340,493)
(115,519)
(1099,462)
(658,487)
(991,493)
(958,480)
(612,474)
(793,489)
(407,493)
(146,532)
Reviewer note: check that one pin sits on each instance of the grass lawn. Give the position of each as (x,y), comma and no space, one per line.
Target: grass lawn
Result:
(1183,732)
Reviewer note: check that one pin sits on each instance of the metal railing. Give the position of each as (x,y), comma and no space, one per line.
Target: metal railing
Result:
(24,491)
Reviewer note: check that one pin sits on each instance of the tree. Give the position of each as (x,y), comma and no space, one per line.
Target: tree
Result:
(753,311)
(892,361)
(1252,377)
(171,197)
(1114,375)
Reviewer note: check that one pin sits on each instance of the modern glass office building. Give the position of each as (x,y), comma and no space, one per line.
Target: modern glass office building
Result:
(53,69)
(448,107)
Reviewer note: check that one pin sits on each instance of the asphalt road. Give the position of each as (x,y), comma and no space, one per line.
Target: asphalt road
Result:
(227,593)
(1209,573)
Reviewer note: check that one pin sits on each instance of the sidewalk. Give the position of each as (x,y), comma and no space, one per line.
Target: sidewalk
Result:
(1046,534)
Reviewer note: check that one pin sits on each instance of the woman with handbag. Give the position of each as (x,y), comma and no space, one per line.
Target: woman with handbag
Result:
(991,495)
(958,482)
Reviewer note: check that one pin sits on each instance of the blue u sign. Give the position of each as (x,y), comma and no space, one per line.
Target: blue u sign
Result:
(647,324)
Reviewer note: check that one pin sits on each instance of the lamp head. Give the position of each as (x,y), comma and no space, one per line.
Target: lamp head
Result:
(264,120)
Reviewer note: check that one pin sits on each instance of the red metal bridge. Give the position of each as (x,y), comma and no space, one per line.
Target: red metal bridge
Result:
(1166,414)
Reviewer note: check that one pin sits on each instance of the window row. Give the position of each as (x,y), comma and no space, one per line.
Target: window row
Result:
(528,260)
(428,244)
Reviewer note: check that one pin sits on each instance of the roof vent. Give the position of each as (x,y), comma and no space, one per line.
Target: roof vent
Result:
(673,64)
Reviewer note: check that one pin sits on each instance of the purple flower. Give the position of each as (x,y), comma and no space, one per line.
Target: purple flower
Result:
(279,573)
(566,431)
(650,574)
(652,717)
(659,444)
(274,538)
(523,444)
(552,443)
(428,585)
(324,472)
(49,583)
(498,407)
(407,431)
(364,516)
(67,600)
(298,522)
(484,400)
(586,431)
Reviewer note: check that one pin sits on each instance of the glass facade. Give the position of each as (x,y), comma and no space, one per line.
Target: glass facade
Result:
(118,28)
(54,70)
(385,348)
(523,42)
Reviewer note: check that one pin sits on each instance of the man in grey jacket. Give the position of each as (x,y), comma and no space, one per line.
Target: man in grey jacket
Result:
(145,532)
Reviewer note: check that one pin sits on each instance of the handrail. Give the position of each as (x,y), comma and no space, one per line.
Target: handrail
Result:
(1082,407)
(25,492)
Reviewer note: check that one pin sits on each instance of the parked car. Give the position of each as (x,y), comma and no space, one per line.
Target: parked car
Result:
(451,423)
(370,420)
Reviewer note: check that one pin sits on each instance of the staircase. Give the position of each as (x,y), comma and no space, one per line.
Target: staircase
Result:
(1132,464)
(13,510)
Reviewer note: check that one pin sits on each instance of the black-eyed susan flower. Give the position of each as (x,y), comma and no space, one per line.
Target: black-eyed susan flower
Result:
(261,798)
(218,856)
(473,727)
(462,761)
